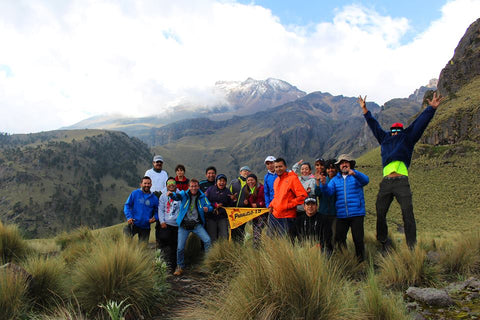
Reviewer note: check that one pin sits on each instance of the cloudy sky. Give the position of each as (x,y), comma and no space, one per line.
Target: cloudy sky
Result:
(64,61)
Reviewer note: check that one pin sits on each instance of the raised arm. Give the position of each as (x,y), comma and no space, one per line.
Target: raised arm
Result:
(377,130)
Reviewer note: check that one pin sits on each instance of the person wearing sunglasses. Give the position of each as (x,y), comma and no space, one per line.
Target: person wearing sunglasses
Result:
(396,150)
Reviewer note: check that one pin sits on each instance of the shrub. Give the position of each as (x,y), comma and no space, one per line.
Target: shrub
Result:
(117,271)
(48,284)
(13,289)
(12,245)
(282,281)
(378,305)
(463,256)
(403,267)
(224,256)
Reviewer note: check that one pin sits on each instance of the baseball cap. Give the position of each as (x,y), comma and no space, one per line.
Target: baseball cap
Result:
(245,168)
(310,200)
(157,158)
(270,158)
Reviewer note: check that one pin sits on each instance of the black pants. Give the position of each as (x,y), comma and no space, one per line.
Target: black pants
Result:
(131,230)
(326,233)
(399,188)
(238,234)
(168,241)
(342,226)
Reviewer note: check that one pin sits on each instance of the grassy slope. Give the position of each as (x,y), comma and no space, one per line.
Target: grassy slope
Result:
(445,189)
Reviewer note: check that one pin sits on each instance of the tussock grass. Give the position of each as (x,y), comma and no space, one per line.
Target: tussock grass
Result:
(81,234)
(379,305)
(48,285)
(403,267)
(13,289)
(224,256)
(282,281)
(118,271)
(462,256)
(12,246)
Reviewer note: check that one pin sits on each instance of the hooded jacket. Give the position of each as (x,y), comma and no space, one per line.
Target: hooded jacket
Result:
(289,193)
(185,198)
(350,201)
(400,146)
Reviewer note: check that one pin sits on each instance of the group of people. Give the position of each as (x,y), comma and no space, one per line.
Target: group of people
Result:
(321,205)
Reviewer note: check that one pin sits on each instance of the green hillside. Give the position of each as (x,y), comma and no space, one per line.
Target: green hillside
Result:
(445,190)
(54,181)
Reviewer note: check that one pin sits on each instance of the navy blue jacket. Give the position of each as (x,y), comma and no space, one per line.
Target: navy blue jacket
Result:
(400,147)
(326,206)
(350,201)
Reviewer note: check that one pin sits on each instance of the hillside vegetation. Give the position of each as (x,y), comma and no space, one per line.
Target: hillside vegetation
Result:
(54,181)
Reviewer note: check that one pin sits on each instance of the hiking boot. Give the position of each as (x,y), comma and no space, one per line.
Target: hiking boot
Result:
(178,271)
(387,247)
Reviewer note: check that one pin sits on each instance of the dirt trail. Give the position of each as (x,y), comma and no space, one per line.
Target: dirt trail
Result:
(185,291)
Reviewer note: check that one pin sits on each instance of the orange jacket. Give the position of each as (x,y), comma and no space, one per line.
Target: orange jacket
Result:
(288,193)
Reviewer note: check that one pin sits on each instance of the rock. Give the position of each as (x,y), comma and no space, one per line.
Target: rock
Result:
(418,316)
(18,272)
(465,64)
(430,296)
(412,306)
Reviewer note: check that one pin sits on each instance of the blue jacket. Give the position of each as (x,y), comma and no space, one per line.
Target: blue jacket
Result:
(326,205)
(141,207)
(349,194)
(268,187)
(400,147)
(184,197)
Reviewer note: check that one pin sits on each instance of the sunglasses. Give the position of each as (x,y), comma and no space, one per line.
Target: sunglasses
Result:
(396,130)
(319,160)
(171,182)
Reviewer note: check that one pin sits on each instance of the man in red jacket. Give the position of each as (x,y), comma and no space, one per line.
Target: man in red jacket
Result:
(288,193)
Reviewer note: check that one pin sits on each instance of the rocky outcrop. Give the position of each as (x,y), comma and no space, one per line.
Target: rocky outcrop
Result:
(465,64)
(430,296)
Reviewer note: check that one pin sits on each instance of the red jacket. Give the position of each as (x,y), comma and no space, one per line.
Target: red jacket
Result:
(288,193)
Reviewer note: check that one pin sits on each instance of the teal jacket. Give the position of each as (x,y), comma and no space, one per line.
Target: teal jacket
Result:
(185,198)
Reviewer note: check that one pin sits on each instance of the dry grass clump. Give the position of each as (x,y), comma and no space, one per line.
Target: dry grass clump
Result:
(379,305)
(403,268)
(13,289)
(81,234)
(117,271)
(282,281)
(462,256)
(224,256)
(48,285)
(12,246)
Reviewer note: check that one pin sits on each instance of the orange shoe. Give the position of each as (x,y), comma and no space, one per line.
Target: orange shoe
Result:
(178,271)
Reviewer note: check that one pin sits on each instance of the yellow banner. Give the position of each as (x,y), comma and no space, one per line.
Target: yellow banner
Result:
(239,216)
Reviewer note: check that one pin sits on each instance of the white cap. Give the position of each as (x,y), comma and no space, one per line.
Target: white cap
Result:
(157,158)
(270,158)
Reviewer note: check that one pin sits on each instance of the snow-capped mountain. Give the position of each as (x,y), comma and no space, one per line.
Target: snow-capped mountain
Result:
(250,96)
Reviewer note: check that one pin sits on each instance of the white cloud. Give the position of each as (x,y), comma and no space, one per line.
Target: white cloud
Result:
(64,61)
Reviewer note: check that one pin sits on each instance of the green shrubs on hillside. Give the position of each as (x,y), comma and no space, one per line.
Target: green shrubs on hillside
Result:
(117,271)
(12,246)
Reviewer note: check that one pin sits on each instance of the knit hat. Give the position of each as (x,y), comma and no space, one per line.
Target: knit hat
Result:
(245,168)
